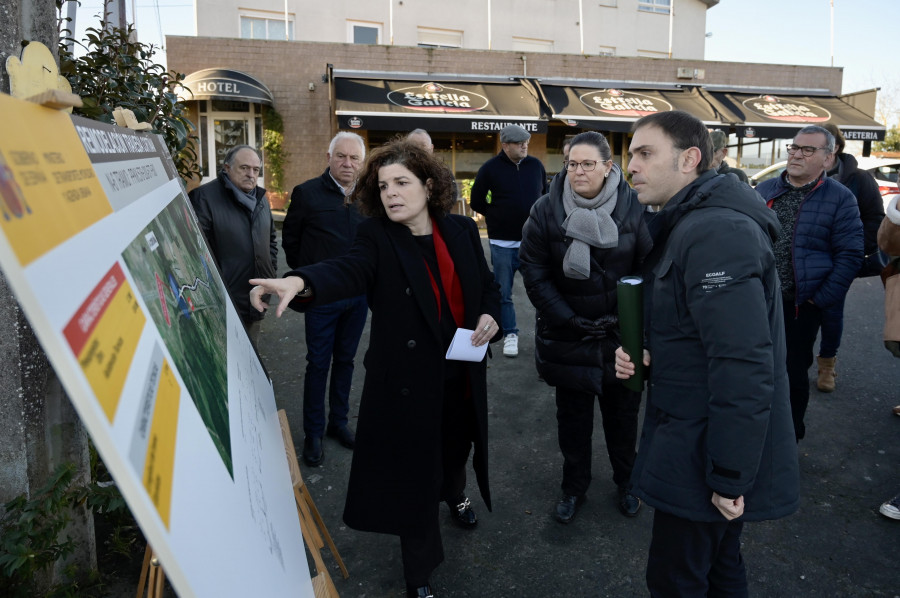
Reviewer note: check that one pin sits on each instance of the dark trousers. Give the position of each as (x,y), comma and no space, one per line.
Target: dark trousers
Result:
(695,559)
(332,336)
(575,419)
(800,328)
(252,327)
(422,552)
(832,330)
(457,434)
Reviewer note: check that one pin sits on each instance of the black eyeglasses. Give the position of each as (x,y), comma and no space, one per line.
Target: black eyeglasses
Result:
(806,150)
(586,165)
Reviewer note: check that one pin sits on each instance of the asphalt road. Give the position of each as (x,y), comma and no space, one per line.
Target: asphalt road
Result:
(837,544)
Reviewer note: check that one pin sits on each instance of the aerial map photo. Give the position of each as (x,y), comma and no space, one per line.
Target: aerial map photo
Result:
(170,265)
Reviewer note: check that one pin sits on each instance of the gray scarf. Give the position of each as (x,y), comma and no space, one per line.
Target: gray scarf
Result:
(248,200)
(589,224)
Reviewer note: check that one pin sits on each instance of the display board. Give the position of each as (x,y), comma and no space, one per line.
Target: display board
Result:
(101,247)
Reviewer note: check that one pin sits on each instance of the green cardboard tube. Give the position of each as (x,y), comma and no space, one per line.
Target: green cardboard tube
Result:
(630,291)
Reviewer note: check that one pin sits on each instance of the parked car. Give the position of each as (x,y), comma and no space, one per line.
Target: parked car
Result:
(885,171)
(768,173)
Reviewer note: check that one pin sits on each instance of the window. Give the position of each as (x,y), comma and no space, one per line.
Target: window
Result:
(658,6)
(610,3)
(259,27)
(524,44)
(652,54)
(360,32)
(439,38)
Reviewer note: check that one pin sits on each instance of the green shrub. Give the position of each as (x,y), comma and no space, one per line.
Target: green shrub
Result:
(30,531)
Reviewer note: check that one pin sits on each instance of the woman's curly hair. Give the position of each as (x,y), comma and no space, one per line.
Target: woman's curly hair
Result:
(417,160)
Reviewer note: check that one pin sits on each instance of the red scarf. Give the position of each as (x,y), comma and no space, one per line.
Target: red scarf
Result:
(449,278)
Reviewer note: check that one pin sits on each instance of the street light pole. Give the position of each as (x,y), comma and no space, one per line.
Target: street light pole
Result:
(489,24)
(581,26)
(671,18)
(832,32)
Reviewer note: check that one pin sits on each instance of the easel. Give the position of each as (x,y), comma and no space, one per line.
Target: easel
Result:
(310,520)
(153,578)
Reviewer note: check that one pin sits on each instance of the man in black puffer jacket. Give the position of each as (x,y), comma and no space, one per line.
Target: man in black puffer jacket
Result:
(718,445)
(578,241)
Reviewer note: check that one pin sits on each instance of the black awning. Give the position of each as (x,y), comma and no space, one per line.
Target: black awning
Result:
(616,110)
(226,84)
(395,105)
(780,117)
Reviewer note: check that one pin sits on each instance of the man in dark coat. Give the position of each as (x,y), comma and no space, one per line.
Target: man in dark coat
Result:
(818,253)
(717,447)
(504,190)
(320,224)
(720,152)
(235,218)
(863,186)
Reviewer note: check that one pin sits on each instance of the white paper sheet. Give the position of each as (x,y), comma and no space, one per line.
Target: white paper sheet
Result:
(461,348)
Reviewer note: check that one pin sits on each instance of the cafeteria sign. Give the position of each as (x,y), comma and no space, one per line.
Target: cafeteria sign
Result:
(624,103)
(792,111)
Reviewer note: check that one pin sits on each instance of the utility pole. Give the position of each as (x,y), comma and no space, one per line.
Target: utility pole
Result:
(115,14)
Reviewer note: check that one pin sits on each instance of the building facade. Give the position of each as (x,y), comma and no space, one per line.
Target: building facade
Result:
(598,27)
(463,95)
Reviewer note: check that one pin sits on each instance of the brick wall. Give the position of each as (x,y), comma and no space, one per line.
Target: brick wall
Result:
(288,68)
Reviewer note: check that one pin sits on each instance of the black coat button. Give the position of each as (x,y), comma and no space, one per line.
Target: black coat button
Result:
(411,344)
(404,392)
(408,291)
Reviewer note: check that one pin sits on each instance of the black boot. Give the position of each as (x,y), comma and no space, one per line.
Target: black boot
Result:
(567,507)
(629,504)
(313,453)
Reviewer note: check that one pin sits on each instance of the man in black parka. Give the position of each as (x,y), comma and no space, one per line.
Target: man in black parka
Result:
(718,445)
(236,220)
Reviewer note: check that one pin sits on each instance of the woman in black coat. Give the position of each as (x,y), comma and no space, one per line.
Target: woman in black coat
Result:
(425,276)
(578,241)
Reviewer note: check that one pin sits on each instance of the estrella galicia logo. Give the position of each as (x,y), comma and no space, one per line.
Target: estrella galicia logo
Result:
(355,122)
(786,110)
(750,132)
(434,97)
(626,104)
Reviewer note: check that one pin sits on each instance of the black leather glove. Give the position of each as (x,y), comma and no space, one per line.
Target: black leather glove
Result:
(586,326)
(607,323)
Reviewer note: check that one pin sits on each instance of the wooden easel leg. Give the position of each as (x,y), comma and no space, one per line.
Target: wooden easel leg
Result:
(145,571)
(307,524)
(321,525)
(153,578)
(311,524)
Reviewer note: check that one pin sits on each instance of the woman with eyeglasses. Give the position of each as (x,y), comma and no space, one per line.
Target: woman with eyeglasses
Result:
(579,240)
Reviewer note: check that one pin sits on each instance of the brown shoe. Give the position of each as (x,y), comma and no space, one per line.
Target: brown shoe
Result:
(825,383)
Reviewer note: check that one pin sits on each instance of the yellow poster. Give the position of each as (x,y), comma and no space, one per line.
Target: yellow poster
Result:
(160,464)
(48,189)
(103,334)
